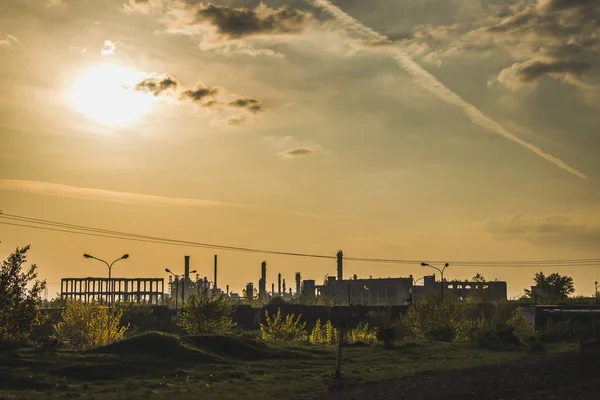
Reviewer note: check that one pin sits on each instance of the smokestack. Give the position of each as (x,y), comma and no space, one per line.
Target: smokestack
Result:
(298,280)
(262,283)
(279,283)
(284,286)
(215,280)
(186,273)
(227,290)
(272,288)
(340,267)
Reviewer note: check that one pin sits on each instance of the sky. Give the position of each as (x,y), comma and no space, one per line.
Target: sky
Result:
(414,129)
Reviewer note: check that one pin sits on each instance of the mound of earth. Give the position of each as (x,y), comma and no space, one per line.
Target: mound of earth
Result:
(241,348)
(155,344)
(550,377)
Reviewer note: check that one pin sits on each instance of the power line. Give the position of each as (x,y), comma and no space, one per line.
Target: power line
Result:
(36,223)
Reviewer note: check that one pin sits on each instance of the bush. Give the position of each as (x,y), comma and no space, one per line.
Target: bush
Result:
(19,298)
(387,335)
(139,317)
(323,333)
(361,334)
(86,325)
(279,329)
(494,337)
(205,315)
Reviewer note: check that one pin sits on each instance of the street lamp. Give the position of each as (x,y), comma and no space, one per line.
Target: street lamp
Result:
(110,284)
(441,273)
(177,287)
(415,282)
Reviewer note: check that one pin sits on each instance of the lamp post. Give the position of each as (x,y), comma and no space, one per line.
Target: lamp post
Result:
(177,288)
(596,291)
(110,284)
(441,273)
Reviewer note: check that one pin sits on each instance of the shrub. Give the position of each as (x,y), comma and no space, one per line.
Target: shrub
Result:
(140,317)
(205,315)
(19,310)
(361,334)
(279,329)
(323,333)
(86,325)
(522,328)
(387,335)
(430,320)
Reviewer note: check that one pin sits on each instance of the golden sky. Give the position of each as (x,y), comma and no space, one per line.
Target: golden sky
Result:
(422,130)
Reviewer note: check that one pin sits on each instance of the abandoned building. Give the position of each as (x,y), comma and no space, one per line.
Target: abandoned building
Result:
(103,290)
(461,290)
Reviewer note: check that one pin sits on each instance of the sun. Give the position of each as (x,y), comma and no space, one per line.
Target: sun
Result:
(105,93)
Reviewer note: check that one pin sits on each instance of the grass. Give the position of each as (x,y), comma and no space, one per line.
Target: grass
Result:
(161,366)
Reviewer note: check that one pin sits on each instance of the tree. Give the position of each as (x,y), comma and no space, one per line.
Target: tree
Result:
(86,325)
(19,306)
(551,288)
(205,315)
(478,278)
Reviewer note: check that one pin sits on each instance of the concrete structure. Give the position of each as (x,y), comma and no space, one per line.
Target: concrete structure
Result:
(136,290)
(484,291)
(367,292)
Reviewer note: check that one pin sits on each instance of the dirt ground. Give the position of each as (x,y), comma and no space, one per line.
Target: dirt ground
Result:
(573,376)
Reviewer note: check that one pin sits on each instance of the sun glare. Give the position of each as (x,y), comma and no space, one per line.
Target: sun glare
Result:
(105,94)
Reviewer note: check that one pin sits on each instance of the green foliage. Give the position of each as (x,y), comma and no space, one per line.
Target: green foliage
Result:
(87,325)
(138,316)
(206,315)
(19,306)
(361,334)
(551,289)
(387,335)
(431,320)
(323,333)
(279,329)
(326,334)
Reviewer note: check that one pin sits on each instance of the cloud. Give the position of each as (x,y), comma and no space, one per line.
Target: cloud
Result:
(559,39)
(235,23)
(546,230)
(250,104)
(108,48)
(521,74)
(199,94)
(8,40)
(74,192)
(58,190)
(298,152)
(157,86)
(225,28)
(438,89)
(55,3)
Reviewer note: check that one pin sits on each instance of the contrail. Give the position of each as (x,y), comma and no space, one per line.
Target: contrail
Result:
(438,89)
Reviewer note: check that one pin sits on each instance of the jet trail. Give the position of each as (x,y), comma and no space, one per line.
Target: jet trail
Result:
(438,89)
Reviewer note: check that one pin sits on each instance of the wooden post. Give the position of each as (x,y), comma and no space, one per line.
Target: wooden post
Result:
(338,364)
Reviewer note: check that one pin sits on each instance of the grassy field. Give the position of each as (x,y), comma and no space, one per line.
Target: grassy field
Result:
(160,366)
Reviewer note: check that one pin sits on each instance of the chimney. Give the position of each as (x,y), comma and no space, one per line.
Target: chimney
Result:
(215,280)
(298,279)
(262,282)
(186,273)
(340,267)
(284,286)
(272,288)
(279,283)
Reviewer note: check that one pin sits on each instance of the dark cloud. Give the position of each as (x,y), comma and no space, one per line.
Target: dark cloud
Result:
(250,104)
(299,152)
(157,86)
(546,230)
(235,23)
(200,93)
(556,38)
